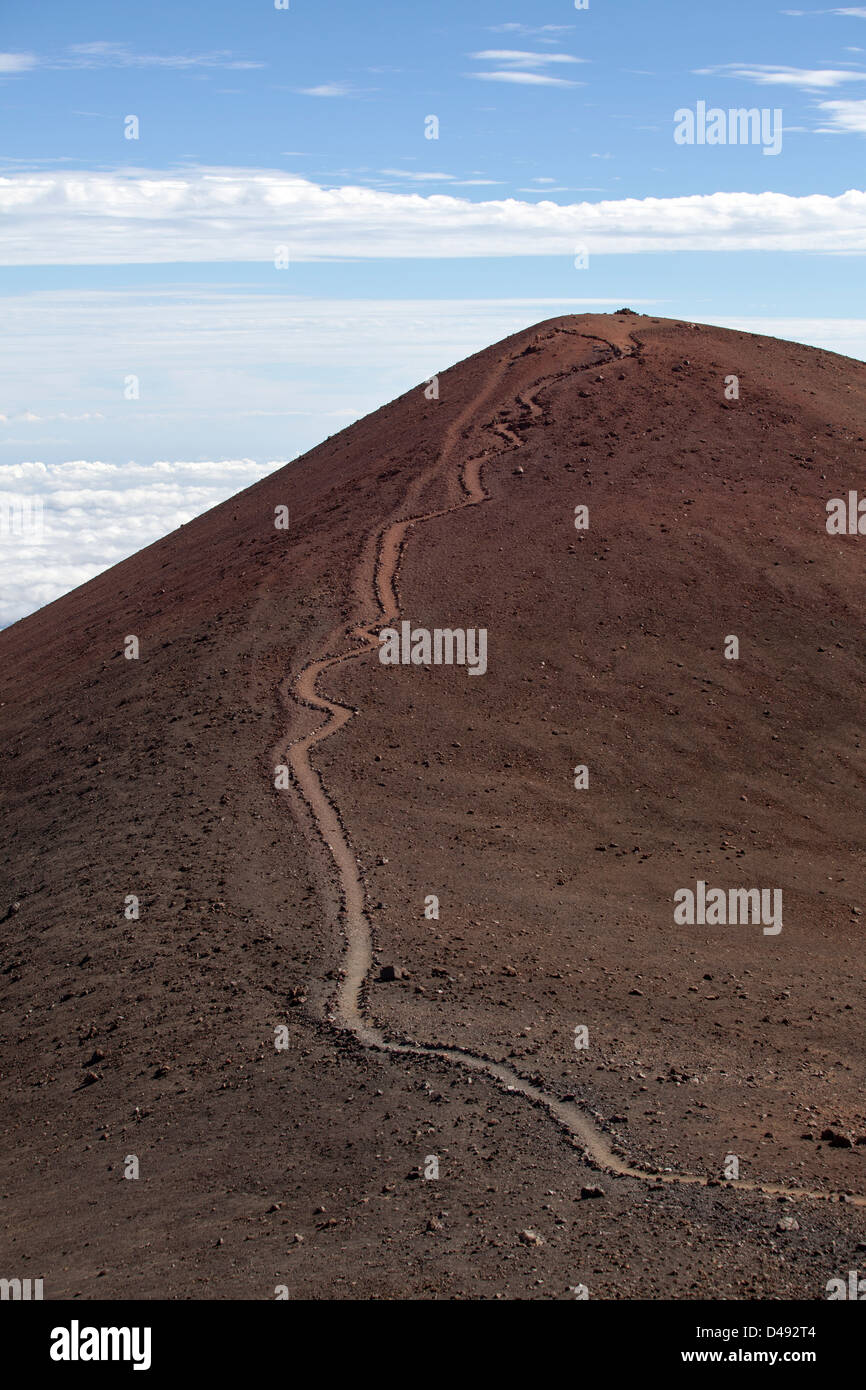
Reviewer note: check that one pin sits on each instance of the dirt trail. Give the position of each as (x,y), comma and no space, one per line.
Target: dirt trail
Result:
(376,580)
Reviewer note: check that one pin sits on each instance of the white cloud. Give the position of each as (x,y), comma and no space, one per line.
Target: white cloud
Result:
(17,62)
(771,75)
(520,59)
(527,79)
(327,89)
(243,215)
(520,65)
(847,117)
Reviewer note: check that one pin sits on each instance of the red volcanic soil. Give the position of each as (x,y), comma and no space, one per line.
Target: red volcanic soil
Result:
(268,907)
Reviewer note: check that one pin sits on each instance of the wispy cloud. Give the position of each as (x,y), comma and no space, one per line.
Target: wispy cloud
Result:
(416,176)
(845,117)
(545,32)
(521,66)
(850,12)
(558,188)
(29,417)
(772,75)
(529,79)
(328,89)
(102,54)
(17,62)
(518,58)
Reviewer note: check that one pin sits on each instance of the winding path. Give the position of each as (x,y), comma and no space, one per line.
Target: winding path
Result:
(375,584)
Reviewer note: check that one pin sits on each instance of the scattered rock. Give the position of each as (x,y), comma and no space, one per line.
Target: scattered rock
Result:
(788,1223)
(531,1238)
(586,1192)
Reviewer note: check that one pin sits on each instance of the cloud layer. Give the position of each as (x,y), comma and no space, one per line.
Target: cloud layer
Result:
(95,514)
(241,215)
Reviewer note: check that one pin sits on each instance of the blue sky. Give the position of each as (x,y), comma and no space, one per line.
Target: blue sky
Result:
(302,133)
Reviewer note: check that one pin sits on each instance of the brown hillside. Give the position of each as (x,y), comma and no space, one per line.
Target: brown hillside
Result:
(154,777)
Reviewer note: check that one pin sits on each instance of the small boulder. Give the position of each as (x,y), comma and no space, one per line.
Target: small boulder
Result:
(836,1139)
(393,972)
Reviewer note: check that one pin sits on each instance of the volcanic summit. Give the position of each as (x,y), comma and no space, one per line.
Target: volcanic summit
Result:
(375,966)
